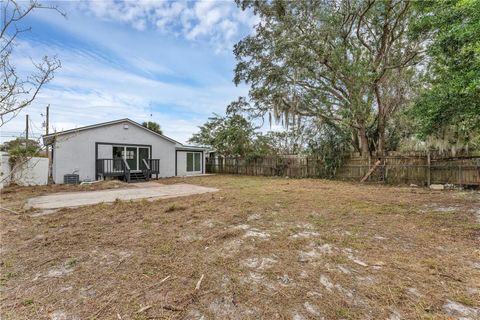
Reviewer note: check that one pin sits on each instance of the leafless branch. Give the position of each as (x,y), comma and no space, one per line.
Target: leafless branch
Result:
(18,92)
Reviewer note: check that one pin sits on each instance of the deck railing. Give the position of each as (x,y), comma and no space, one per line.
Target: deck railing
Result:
(154,165)
(145,167)
(115,167)
(150,167)
(118,167)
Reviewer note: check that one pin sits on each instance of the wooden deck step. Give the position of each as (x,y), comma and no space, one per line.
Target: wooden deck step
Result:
(137,177)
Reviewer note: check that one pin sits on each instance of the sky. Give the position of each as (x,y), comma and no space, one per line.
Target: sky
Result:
(169,62)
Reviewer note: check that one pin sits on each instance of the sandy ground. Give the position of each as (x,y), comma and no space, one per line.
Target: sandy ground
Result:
(259,248)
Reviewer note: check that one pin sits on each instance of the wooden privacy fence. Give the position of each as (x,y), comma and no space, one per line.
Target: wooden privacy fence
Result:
(419,170)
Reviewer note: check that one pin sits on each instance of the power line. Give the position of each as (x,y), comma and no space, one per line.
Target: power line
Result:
(34,125)
(34,131)
(18,136)
(13,132)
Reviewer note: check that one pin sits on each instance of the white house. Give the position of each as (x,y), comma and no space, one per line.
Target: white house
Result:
(123,149)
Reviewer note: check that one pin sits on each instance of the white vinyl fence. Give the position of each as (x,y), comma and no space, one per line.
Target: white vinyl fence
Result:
(33,172)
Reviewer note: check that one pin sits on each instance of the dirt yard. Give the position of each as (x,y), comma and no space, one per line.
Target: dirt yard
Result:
(260,248)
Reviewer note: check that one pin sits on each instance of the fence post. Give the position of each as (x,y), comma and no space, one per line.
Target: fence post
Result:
(369,165)
(385,170)
(428,170)
(407,179)
(460,174)
(308,169)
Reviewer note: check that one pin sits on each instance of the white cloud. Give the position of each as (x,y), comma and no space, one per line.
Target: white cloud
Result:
(110,71)
(88,90)
(217,21)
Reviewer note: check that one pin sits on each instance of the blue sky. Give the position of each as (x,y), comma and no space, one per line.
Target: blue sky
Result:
(131,59)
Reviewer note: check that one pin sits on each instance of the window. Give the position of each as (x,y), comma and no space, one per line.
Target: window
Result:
(197,162)
(132,154)
(129,155)
(194,162)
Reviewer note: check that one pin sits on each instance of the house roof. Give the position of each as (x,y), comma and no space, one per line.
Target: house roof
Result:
(48,139)
(190,148)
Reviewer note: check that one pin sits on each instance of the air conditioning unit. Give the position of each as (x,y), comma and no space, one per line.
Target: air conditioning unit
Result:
(71,179)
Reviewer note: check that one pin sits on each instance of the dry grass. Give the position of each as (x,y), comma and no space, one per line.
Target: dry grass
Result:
(267,247)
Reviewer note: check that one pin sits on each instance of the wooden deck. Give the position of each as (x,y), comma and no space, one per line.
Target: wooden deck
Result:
(118,167)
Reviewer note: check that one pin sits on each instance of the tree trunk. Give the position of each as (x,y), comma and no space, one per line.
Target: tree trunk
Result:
(355,143)
(363,140)
(380,123)
(381,136)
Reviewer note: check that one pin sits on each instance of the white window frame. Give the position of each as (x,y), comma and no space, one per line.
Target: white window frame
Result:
(193,159)
(124,152)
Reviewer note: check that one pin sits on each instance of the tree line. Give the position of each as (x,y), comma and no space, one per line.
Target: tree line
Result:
(366,76)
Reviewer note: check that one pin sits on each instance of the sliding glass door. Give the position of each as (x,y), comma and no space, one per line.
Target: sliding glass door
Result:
(117,154)
(132,154)
(194,162)
(143,153)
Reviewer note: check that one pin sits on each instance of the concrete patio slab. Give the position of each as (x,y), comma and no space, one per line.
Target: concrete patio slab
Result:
(76,199)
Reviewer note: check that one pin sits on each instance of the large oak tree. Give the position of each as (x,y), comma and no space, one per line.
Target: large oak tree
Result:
(346,63)
(449,108)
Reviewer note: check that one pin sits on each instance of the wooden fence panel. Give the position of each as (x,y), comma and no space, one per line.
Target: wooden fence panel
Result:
(395,169)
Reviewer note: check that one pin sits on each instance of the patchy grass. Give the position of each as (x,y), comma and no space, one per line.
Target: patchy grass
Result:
(267,247)
(175,207)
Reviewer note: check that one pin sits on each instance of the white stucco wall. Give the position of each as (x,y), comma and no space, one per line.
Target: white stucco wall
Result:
(34,172)
(182,164)
(75,152)
(4,170)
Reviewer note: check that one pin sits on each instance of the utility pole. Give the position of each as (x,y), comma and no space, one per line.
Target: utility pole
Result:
(26,131)
(49,156)
(47,119)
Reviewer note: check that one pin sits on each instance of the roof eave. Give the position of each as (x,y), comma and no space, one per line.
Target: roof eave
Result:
(53,135)
(183,147)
